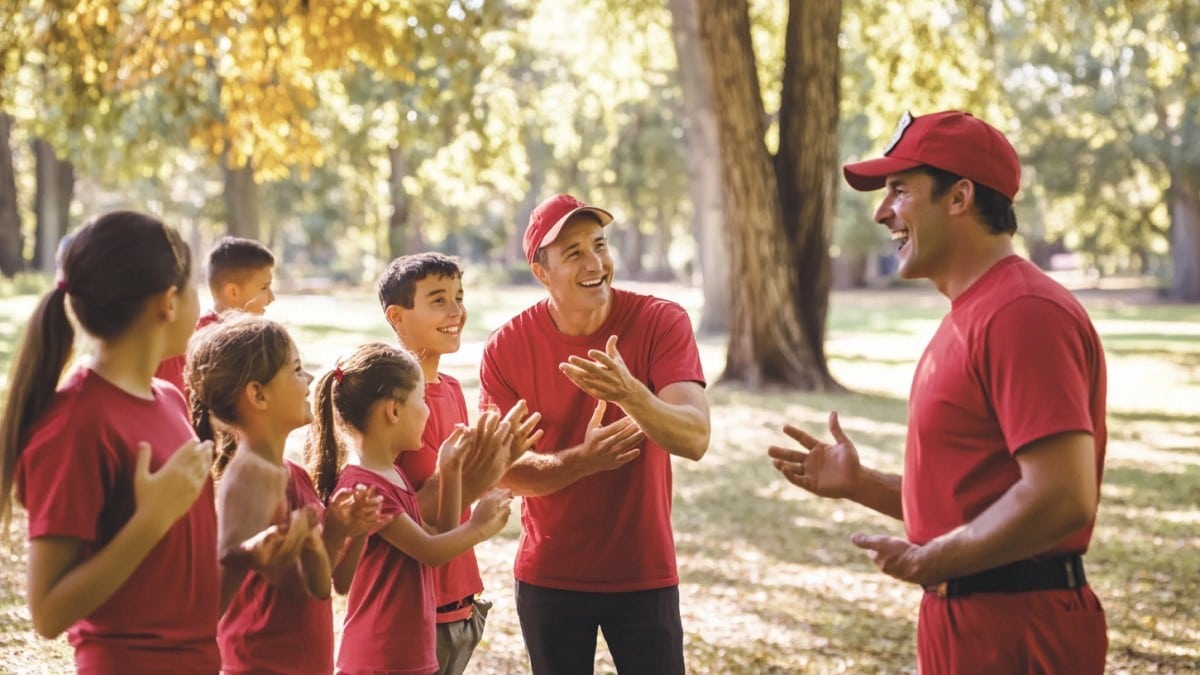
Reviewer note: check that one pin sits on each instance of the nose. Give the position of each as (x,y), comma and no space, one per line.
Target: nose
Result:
(884,213)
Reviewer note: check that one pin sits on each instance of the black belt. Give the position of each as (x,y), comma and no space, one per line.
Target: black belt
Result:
(1063,572)
(457,605)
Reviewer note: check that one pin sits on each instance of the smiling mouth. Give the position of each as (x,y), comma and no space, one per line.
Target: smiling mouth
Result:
(900,237)
(451,330)
(592,284)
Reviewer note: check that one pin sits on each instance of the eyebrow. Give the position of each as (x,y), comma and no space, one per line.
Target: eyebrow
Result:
(436,291)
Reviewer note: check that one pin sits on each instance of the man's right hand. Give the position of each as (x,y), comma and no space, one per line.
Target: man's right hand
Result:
(610,446)
(827,470)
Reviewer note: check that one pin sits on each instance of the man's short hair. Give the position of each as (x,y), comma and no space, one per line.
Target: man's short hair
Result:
(398,285)
(994,209)
(232,259)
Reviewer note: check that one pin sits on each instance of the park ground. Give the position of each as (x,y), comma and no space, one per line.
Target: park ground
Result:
(770,582)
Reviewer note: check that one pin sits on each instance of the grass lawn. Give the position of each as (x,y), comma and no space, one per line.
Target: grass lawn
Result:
(770,581)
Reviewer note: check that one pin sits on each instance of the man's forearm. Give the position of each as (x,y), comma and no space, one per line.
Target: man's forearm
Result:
(535,474)
(880,492)
(681,429)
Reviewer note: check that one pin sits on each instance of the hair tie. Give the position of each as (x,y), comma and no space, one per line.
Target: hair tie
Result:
(61,285)
(337,373)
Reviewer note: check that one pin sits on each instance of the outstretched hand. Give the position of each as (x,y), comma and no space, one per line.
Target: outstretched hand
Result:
(613,445)
(604,376)
(828,470)
(898,558)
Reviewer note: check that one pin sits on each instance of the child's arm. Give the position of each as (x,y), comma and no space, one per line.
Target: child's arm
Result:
(437,549)
(63,590)
(450,461)
(350,517)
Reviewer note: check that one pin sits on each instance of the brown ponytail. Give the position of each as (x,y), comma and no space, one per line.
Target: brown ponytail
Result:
(324,454)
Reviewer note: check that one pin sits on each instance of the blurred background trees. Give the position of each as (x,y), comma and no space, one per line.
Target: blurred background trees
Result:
(345,132)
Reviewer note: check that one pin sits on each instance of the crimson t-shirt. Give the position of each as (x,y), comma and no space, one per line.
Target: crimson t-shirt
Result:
(171,368)
(460,577)
(1016,360)
(610,531)
(75,479)
(269,630)
(389,625)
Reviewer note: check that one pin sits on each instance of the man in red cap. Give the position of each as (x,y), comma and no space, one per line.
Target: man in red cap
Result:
(617,378)
(1006,421)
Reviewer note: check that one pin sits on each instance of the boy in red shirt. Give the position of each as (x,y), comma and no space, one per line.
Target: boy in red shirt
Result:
(239,277)
(422,299)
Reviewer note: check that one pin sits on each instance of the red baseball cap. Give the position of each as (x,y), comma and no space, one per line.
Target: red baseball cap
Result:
(952,141)
(547,220)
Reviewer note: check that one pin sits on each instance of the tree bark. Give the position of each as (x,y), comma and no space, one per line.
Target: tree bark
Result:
(806,164)
(11,253)
(241,199)
(775,328)
(1185,235)
(702,148)
(52,203)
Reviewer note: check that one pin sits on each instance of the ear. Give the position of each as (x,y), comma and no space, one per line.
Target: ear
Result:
(168,304)
(962,197)
(541,273)
(255,395)
(231,292)
(395,316)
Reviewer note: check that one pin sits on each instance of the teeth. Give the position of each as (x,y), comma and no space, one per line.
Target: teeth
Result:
(452,330)
(591,284)
(897,235)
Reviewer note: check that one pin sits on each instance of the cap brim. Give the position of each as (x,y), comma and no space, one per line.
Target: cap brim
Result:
(872,174)
(603,216)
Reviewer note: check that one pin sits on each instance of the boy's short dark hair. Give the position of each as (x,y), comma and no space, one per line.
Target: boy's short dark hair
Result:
(398,285)
(232,258)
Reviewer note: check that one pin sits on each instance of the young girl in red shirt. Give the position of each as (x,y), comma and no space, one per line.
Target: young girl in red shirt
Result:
(377,394)
(122,529)
(246,374)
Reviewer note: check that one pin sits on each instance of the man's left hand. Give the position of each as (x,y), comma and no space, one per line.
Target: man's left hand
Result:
(605,376)
(898,558)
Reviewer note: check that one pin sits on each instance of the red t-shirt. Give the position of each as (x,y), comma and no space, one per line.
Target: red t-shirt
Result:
(1016,360)
(75,478)
(267,630)
(460,577)
(171,368)
(389,625)
(610,531)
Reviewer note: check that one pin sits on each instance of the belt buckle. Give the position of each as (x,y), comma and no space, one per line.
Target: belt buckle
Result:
(942,589)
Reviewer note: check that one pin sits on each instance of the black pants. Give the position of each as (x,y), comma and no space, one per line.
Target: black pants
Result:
(642,628)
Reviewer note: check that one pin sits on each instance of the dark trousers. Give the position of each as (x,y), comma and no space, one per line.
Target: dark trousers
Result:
(642,628)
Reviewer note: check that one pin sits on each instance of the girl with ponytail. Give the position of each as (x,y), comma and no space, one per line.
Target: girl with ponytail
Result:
(122,528)
(248,390)
(377,395)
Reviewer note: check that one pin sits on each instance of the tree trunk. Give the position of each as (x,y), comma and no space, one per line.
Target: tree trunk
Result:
(241,199)
(11,254)
(771,340)
(397,238)
(52,203)
(660,268)
(1185,235)
(806,165)
(702,148)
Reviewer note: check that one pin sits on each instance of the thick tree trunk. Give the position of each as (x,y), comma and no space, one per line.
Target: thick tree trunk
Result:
(11,258)
(633,249)
(241,199)
(660,268)
(806,164)
(52,203)
(770,340)
(1185,235)
(702,148)
(766,341)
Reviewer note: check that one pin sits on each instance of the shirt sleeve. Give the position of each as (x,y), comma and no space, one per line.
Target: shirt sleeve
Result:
(1038,365)
(65,480)
(494,388)
(674,357)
